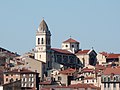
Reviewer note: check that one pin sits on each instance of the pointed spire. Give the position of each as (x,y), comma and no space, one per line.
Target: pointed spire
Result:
(43,26)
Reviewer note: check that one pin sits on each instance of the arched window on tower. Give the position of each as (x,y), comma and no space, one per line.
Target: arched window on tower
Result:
(38,40)
(42,42)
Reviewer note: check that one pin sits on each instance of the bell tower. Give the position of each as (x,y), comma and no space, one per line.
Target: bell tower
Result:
(43,42)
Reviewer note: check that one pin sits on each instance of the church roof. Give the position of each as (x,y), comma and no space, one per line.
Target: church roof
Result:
(61,51)
(43,26)
(82,51)
(70,40)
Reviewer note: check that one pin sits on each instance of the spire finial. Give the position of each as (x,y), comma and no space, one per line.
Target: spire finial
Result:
(92,48)
(70,36)
(43,18)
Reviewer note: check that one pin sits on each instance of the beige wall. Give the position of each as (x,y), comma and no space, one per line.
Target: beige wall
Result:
(64,78)
(32,65)
(101,59)
(11,76)
(85,57)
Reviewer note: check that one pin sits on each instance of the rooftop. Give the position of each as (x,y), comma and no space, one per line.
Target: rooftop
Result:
(113,70)
(70,40)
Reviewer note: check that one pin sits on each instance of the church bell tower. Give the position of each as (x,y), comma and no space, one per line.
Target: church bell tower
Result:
(43,42)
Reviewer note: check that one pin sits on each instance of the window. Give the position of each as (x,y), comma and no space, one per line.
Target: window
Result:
(31,84)
(104,85)
(40,56)
(59,78)
(72,46)
(65,59)
(114,85)
(42,42)
(7,75)
(104,79)
(92,80)
(114,78)
(6,79)
(24,75)
(108,79)
(87,81)
(24,79)
(108,85)
(11,80)
(16,79)
(38,40)
(66,45)
(11,74)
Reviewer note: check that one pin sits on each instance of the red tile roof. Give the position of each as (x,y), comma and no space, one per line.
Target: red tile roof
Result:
(113,70)
(45,82)
(80,85)
(83,52)
(67,71)
(113,56)
(104,53)
(70,40)
(86,78)
(23,70)
(100,67)
(61,51)
(87,70)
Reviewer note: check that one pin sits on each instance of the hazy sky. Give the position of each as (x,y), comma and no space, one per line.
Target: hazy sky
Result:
(94,23)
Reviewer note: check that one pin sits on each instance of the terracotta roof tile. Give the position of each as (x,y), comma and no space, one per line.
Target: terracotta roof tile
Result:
(70,40)
(67,71)
(113,70)
(82,51)
(87,70)
(113,56)
(23,70)
(61,51)
(104,53)
(80,85)
(100,67)
(45,82)
(86,78)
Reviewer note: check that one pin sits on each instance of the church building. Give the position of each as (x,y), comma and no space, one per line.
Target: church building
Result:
(66,57)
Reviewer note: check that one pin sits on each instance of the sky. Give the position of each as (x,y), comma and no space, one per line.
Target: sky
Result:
(94,23)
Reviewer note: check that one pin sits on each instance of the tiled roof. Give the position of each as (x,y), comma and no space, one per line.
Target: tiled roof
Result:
(61,51)
(113,56)
(113,70)
(80,85)
(86,78)
(104,53)
(23,70)
(45,82)
(82,51)
(67,71)
(87,70)
(70,40)
(100,67)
